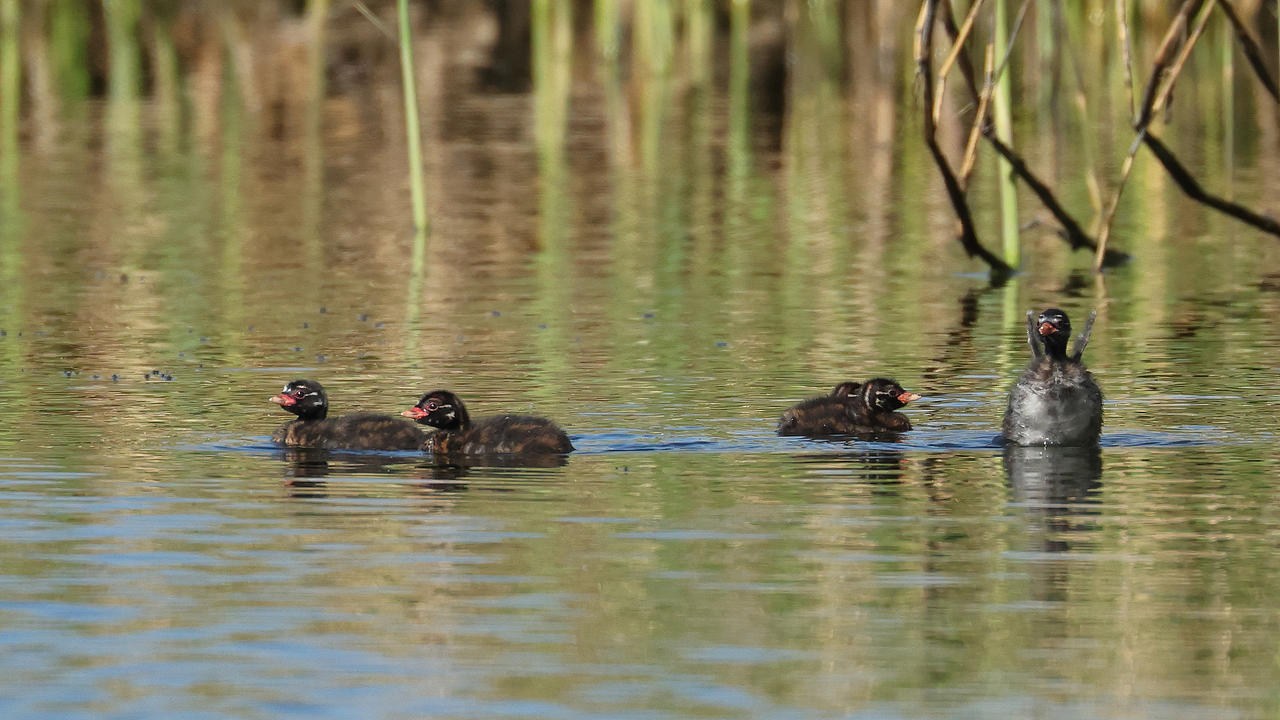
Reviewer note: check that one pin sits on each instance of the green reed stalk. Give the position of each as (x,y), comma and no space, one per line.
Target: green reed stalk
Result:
(698,19)
(122,17)
(69,35)
(313,119)
(1047,48)
(1227,41)
(608,28)
(408,78)
(1004,131)
(739,81)
(10,77)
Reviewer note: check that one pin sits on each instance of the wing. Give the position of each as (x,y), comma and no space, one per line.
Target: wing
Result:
(1033,337)
(1083,339)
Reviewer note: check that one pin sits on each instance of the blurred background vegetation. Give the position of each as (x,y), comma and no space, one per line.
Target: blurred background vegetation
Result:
(748,169)
(176,74)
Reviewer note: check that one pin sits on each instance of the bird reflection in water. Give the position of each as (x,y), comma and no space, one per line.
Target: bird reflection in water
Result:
(1060,485)
(1058,489)
(883,469)
(307,468)
(1052,475)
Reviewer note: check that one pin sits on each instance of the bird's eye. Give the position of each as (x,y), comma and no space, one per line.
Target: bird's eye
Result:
(432,407)
(299,394)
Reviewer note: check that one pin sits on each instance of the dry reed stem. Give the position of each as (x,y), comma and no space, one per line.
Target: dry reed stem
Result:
(1184,179)
(953,32)
(957,46)
(1104,233)
(980,120)
(1126,45)
(1176,28)
(1184,52)
(968,237)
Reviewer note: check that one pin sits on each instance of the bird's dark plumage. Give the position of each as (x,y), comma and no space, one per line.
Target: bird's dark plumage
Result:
(358,431)
(851,408)
(1056,401)
(456,434)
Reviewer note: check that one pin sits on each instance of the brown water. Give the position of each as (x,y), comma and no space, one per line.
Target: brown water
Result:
(663,278)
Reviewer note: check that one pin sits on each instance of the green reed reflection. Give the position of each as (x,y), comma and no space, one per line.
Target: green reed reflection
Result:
(553,62)
(410,84)
(10,78)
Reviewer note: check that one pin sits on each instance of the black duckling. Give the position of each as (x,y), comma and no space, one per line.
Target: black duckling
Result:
(1056,401)
(358,431)
(456,434)
(850,409)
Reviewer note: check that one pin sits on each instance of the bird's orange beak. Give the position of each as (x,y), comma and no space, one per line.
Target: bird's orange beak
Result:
(414,412)
(282,400)
(1047,328)
(907,397)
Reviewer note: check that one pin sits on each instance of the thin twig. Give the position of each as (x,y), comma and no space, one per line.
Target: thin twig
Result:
(377,22)
(957,49)
(1081,102)
(1108,219)
(1013,35)
(1104,233)
(1167,46)
(1184,52)
(953,33)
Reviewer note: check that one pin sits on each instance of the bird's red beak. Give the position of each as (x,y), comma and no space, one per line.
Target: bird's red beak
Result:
(414,412)
(1047,328)
(907,397)
(282,400)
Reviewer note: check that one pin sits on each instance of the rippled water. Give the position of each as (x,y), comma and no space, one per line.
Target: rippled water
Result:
(162,559)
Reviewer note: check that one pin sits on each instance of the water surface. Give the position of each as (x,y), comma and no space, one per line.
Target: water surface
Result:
(663,278)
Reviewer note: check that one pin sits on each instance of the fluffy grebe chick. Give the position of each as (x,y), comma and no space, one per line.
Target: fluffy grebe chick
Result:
(457,434)
(358,431)
(1056,401)
(849,409)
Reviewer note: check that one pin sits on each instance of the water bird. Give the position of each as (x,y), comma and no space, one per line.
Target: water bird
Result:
(1056,401)
(358,431)
(457,434)
(851,408)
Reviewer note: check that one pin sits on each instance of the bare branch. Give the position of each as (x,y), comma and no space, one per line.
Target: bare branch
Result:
(1167,48)
(1075,235)
(1251,50)
(1192,188)
(968,236)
